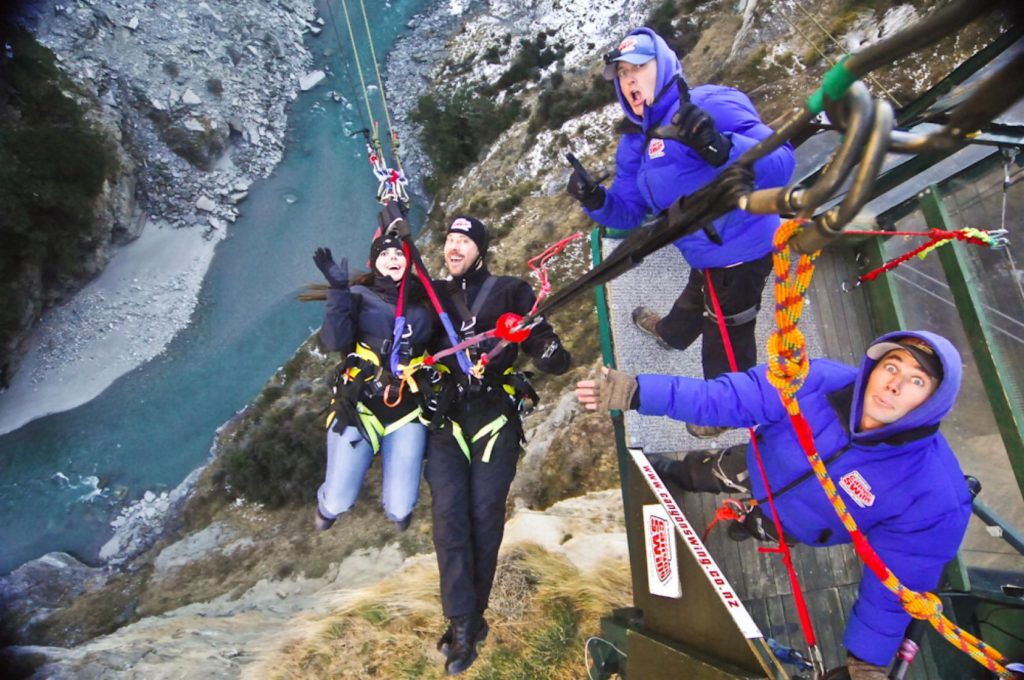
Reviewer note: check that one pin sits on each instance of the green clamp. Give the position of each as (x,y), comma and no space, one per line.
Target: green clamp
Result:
(834,85)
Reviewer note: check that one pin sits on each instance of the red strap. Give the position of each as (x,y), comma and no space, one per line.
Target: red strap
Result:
(400,305)
(783,549)
(542,271)
(728,512)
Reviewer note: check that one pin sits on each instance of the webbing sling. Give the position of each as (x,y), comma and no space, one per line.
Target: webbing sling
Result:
(470,313)
(783,550)
(492,430)
(376,430)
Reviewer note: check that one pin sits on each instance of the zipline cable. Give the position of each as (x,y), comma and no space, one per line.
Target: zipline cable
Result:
(359,70)
(348,76)
(380,85)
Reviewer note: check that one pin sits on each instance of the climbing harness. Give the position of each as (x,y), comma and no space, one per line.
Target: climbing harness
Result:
(510,328)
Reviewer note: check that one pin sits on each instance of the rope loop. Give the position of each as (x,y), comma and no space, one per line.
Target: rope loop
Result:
(924,606)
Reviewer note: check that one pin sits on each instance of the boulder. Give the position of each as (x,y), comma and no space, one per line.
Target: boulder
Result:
(311,80)
(33,592)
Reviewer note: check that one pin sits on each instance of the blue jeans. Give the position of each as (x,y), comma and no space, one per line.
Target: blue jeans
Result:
(349,456)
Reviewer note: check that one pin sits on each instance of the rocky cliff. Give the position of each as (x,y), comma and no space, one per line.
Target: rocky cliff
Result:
(218,587)
(189,100)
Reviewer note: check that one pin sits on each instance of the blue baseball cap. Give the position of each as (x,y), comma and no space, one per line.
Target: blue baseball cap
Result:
(635,48)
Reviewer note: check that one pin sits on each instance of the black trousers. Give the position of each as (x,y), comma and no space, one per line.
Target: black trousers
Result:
(468,502)
(708,470)
(720,471)
(738,289)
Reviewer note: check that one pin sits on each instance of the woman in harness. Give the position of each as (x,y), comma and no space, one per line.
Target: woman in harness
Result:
(374,409)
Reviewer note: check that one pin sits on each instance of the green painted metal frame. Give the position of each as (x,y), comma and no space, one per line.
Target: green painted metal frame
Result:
(882,295)
(963,285)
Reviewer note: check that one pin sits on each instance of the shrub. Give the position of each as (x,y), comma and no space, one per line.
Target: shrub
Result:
(669,20)
(533,56)
(457,126)
(53,165)
(281,461)
(556,105)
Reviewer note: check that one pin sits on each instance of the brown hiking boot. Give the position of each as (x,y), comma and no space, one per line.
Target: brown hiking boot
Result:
(705,431)
(646,319)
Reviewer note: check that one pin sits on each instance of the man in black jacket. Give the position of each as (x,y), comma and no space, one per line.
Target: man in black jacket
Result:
(471,465)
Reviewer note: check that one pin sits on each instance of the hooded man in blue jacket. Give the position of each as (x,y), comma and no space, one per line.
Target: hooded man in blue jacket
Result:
(877,431)
(717,124)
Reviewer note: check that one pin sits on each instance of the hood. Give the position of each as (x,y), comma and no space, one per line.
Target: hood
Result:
(928,414)
(666,92)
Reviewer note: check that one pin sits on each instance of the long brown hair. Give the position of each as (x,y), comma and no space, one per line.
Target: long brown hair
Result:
(415,293)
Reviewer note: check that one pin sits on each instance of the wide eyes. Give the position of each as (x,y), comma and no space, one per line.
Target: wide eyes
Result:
(891,368)
(627,69)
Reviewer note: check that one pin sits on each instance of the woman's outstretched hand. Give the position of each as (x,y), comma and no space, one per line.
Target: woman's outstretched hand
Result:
(335,273)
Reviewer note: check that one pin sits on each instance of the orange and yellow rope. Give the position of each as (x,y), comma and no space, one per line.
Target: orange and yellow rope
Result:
(787,368)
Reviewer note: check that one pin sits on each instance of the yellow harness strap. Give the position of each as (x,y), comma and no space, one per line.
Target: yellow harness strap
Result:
(376,430)
(492,430)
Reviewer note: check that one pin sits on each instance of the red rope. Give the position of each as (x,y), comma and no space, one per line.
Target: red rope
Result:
(542,270)
(783,549)
(935,237)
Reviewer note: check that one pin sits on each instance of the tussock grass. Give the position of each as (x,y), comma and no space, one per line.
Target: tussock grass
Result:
(542,611)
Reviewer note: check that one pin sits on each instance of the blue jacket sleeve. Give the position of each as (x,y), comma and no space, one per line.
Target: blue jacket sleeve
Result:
(916,552)
(338,332)
(731,399)
(734,113)
(624,207)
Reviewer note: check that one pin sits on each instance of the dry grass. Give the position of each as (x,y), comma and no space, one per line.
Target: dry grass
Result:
(542,611)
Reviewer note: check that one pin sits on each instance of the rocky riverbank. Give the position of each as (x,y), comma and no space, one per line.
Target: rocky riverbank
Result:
(198,92)
(194,99)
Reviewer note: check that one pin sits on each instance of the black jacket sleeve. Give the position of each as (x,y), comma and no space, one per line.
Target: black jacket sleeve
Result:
(341,315)
(543,345)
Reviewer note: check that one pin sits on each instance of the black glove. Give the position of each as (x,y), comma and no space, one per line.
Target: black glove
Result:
(392,219)
(585,190)
(696,129)
(335,273)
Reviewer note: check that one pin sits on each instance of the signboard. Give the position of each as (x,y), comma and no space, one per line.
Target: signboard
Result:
(660,540)
(697,550)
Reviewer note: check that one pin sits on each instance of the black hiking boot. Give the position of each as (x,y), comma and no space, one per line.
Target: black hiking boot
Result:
(706,431)
(445,641)
(467,632)
(646,319)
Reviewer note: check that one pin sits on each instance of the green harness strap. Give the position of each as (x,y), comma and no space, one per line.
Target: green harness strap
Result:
(376,430)
(492,430)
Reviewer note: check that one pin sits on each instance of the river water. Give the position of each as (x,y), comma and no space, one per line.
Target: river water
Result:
(64,477)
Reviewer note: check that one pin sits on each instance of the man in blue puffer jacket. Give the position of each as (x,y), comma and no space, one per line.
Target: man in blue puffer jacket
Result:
(876,429)
(717,125)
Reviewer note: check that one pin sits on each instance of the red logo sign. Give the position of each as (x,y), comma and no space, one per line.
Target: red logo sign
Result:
(628,44)
(656,148)
(660,548)
(858,489)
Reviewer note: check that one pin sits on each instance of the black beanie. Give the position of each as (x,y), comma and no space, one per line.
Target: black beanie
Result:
(472,228)
(382,243)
